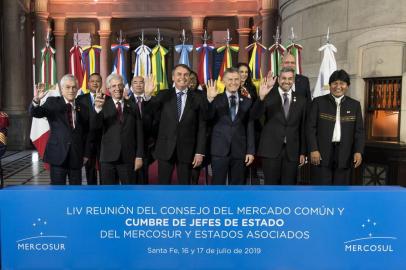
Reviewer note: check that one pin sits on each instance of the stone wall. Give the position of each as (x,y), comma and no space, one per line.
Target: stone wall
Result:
(370,37)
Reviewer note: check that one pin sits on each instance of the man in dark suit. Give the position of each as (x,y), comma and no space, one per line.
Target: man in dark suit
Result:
(181,135)
(282,144)
(93,139)
(64,150)
(335,134)
(122,145)
(232,140)
(136,95)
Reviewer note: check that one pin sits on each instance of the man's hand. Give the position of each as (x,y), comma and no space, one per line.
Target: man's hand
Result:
(357,159)
(302,160)
(137,164)
(126,93)
(85,160)
(99,100)
(197,161)
(249,159)
(315,158)
(211,90)
(271,79)
(149,85)
(264,88)
(40,92)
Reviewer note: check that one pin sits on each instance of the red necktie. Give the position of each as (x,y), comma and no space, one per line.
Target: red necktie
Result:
(119,112)
(70,117)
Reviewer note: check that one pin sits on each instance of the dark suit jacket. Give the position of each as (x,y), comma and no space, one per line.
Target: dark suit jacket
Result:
(302,87)
(149,126)
(320,128)
(62,139)
(187,137)
(93,138)
(231,138)
(276,126)
(119,139)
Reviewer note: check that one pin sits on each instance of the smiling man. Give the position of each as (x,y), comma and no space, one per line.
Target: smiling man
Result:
(181,135)
(122,144)
(282,145)
(64,150)
(335,134)
(232,139)
(92,150)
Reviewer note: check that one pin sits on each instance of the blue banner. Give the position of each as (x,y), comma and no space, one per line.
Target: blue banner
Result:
(203,227)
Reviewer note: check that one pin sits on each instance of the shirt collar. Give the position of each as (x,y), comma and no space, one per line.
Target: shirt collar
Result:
(184,91)
(136,96)
(231,94)
(281,92)
(118,100)
(338,99)
(71,103)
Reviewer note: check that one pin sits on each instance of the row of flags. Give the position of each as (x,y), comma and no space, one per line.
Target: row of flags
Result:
(85,61)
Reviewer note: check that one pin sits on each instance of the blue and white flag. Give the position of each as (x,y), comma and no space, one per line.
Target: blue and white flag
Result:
(328,66)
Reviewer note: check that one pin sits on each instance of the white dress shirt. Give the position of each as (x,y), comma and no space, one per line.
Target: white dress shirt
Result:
(184,97)
(281,92)
(337,126)
(236,100)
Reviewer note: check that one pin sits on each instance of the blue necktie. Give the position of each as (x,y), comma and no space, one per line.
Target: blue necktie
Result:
(179,103)
(233,107)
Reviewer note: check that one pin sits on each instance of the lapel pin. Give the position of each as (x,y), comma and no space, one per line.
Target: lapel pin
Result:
(294,99)
(348,111)
(240,99)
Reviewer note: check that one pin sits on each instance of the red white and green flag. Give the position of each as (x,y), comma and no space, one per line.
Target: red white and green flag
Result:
(48,67)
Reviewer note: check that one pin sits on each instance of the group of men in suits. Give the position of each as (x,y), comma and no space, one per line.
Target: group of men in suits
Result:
(124,132)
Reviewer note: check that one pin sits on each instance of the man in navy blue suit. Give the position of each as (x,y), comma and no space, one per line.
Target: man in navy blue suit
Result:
(232,140)
(64,150)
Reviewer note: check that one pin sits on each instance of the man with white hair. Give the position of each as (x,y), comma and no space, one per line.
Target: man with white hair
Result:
(122,144)
(64,150)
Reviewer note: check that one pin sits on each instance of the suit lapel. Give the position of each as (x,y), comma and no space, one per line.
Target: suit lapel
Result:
(78,110)
(241,106)
(277,102)
(223,100)
(292,107)
(188,104)
(126,110)
(172,103)
(62,103)
(111,107)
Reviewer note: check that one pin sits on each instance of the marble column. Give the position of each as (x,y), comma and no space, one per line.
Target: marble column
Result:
(269,13)
(104,33)
(59,33)
(15,95)
(41,28)
(197,32)
(243,37)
